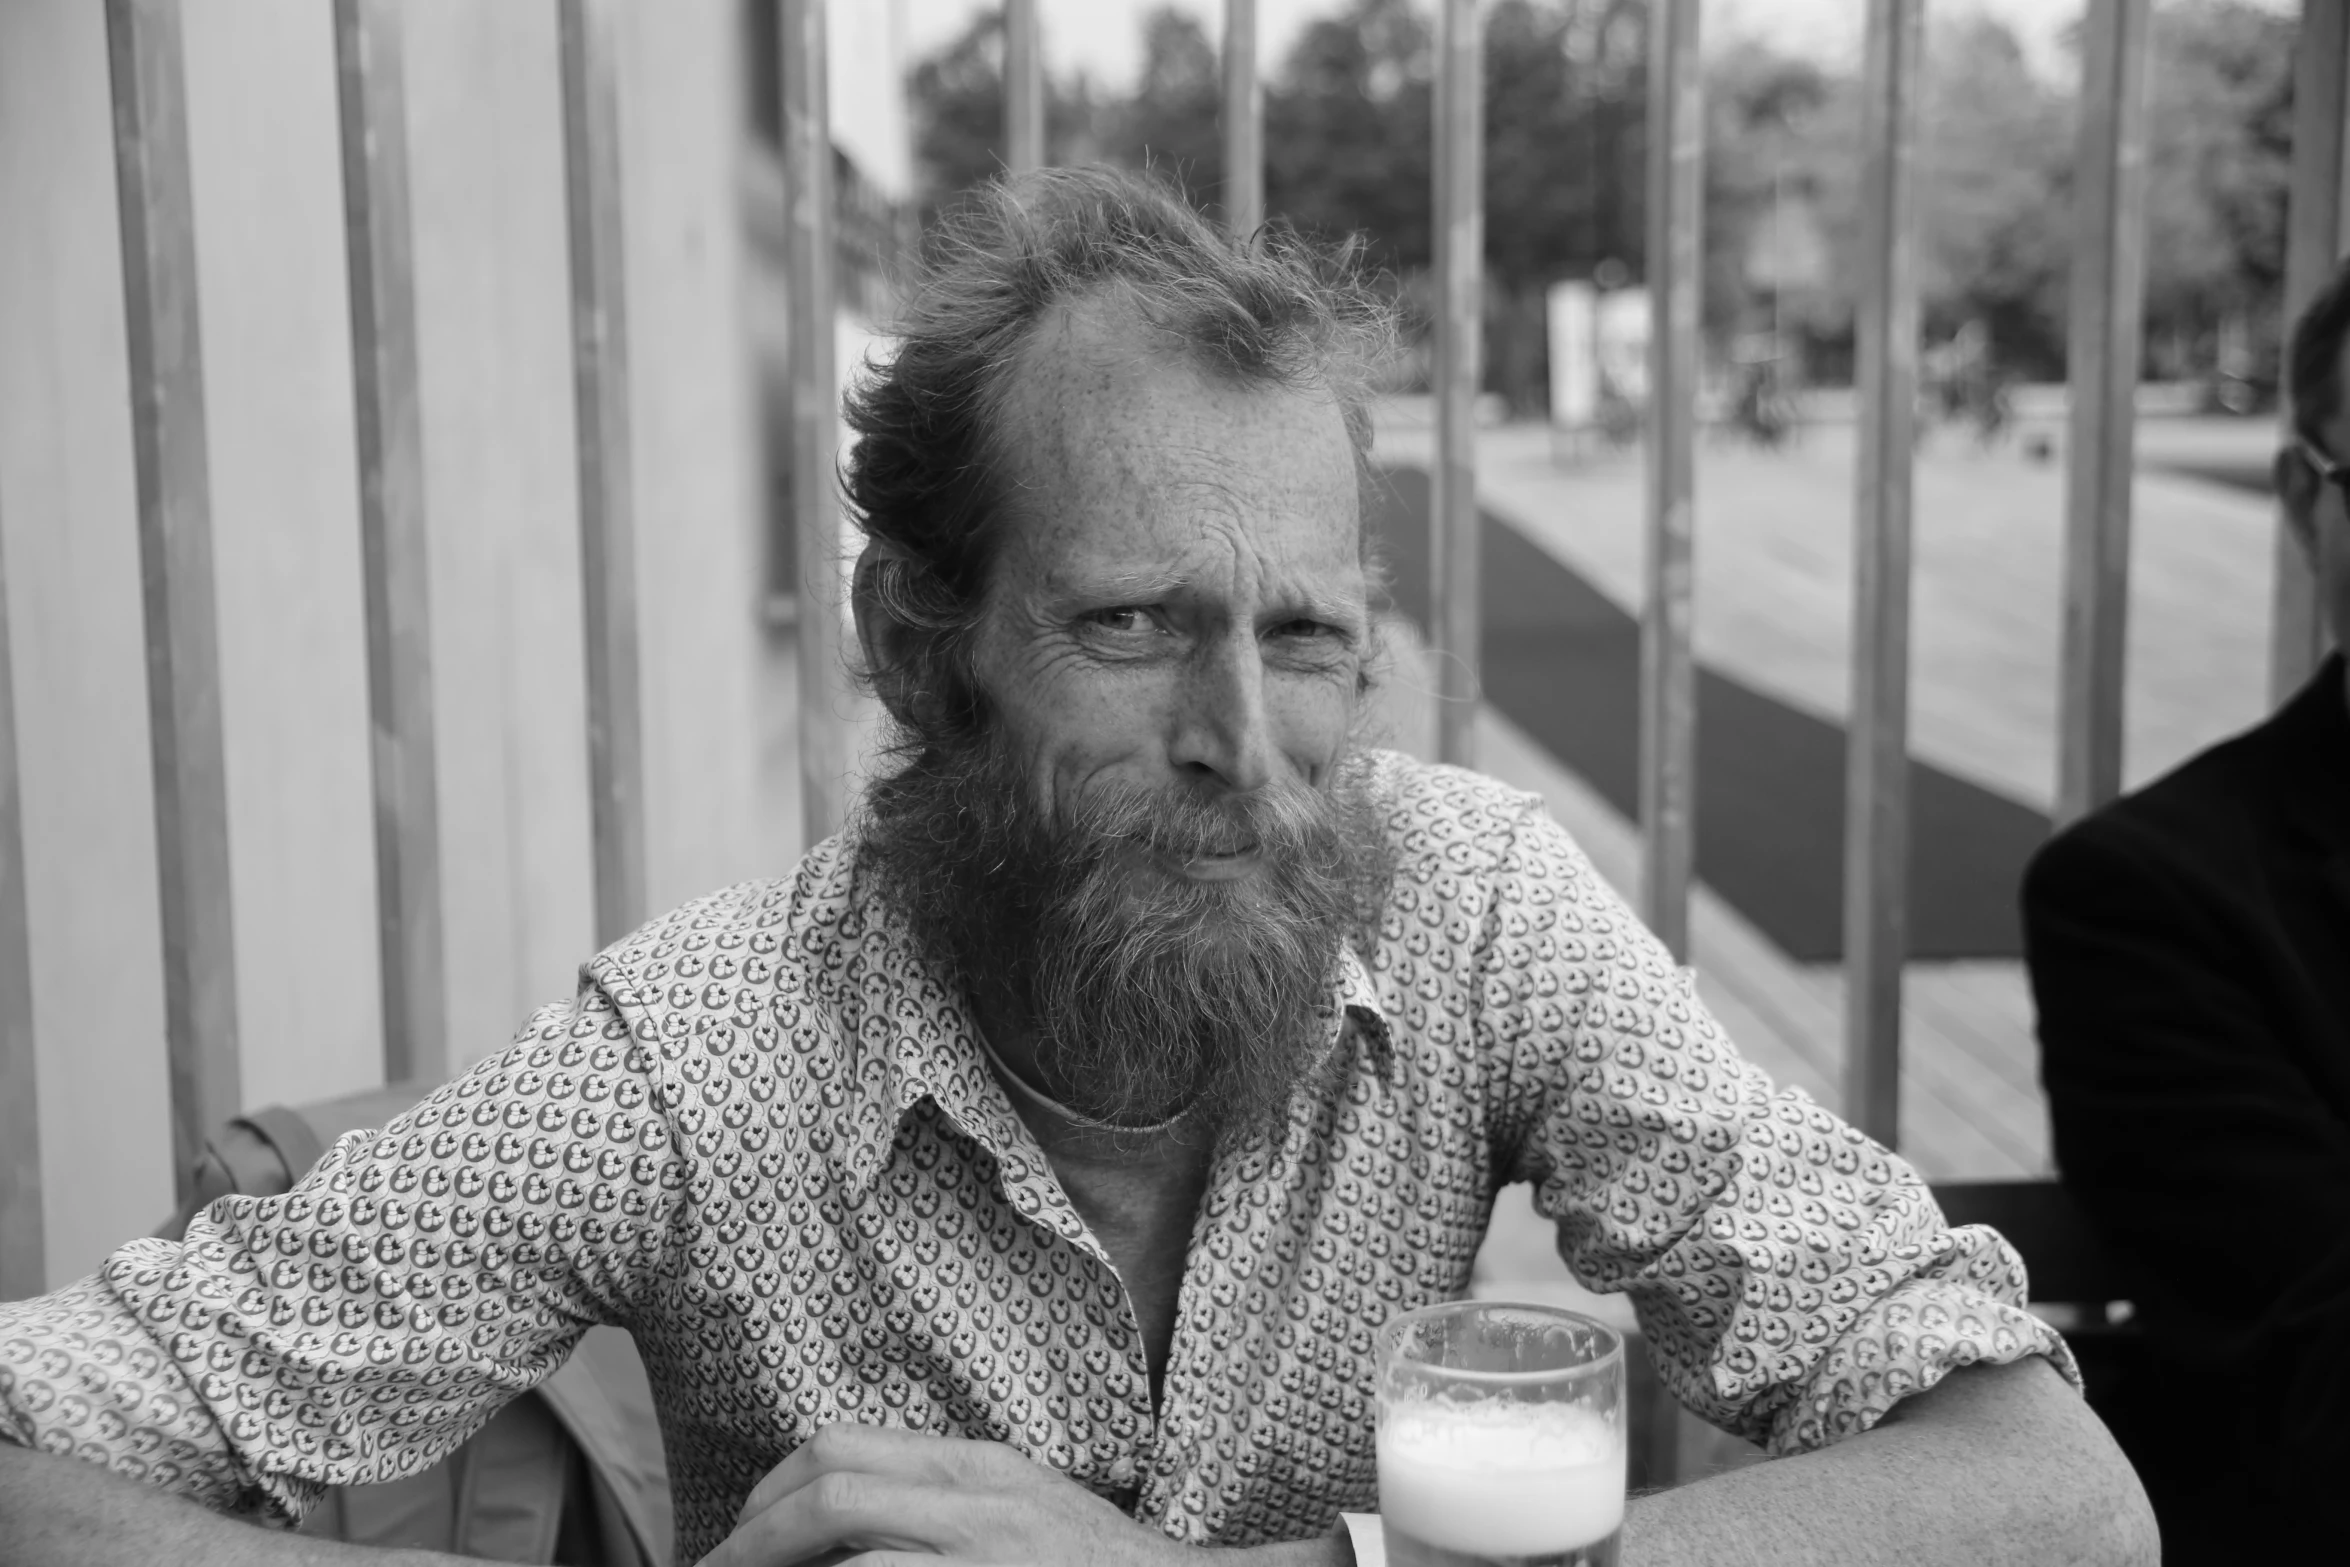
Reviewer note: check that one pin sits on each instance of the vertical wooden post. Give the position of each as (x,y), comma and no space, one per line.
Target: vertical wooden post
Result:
(2317,234)
(1023,88)
(1244,120)
(1668,670)
(175,568)
(1460,276)
(1876,810)
(607,526)
(24,1250)
(2109,275)
(369,86)
(809,263)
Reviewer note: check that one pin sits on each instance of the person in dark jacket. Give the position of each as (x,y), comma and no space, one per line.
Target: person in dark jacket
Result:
(2190,956)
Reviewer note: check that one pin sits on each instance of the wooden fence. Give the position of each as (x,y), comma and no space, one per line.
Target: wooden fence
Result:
(295,551)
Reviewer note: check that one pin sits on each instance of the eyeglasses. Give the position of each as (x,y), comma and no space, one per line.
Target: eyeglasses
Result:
(2324,467)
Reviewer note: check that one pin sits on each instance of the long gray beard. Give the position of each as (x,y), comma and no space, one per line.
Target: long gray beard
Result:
(1145,994)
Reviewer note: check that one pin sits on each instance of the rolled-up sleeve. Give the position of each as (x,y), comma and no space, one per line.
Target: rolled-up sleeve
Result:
(361,1326)
(1794,1279)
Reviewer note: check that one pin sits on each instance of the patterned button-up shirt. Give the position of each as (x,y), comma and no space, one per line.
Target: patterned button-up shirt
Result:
(764,1139)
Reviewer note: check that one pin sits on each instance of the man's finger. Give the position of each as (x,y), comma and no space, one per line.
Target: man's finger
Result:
(887,1450)
(860,1510)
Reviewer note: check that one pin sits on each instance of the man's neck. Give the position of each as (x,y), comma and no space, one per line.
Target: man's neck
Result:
(1013,1046)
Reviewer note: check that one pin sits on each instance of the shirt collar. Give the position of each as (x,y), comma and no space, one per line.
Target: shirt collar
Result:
(928,1048)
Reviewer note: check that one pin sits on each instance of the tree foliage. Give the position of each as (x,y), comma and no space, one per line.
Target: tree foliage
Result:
(1348,152)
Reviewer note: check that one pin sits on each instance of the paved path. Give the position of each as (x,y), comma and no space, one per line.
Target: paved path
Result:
(1774,583)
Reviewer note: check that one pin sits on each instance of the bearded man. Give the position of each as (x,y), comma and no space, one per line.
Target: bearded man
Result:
(1025,1179)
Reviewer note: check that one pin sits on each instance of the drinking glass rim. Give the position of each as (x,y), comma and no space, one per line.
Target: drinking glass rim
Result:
(1394,1326)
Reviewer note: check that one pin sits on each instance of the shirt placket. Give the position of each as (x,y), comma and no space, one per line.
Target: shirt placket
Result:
(1025,1179)
(1189,1481)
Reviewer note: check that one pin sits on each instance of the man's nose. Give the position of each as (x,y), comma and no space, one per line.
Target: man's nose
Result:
(1221,726)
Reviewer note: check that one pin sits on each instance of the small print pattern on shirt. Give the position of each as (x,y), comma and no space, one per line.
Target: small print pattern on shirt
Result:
(763,1139)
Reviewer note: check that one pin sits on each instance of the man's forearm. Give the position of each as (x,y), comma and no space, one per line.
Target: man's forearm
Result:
(1332,1550)
(1995,1464)
(60,1512)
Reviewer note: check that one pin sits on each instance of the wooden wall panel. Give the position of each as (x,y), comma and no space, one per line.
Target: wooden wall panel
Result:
(501,487)
(697,474)
(155,203)
(268,191)
(24,1249)
(810,284)
(594,215)
(76,641)
(378,248)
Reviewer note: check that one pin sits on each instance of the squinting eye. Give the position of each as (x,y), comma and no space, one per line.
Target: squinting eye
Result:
(1123,618)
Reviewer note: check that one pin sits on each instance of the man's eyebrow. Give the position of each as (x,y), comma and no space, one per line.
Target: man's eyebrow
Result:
(1288,601)
(1126,584)
(1321,606)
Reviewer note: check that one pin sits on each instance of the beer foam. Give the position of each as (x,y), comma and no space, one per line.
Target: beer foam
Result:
(1497,1479)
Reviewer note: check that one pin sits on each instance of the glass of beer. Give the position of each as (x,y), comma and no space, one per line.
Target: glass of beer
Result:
(1501,1437)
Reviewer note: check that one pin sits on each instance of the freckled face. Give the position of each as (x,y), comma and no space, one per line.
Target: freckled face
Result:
(1181,598)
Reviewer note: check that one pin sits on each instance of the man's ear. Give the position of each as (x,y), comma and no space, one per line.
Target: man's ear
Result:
(2300,489)
(885,640)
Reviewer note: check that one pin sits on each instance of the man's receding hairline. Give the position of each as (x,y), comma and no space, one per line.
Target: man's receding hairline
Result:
(1016,392)
(1102,308)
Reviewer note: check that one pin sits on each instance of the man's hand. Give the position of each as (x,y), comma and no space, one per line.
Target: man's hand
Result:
(900,1497)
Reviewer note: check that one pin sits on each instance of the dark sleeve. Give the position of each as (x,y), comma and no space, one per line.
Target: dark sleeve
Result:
(2186,1128)
(2182,1121)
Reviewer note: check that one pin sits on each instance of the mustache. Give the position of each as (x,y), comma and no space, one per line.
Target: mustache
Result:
(1286,822)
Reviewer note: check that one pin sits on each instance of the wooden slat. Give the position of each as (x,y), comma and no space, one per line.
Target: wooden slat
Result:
(1244,120)
(392,536)
(24,1251)
(1668,670)
(607,514)
(1023,88)
(1876,813)
(2317,234)
(1454,536)
(2108,296)
(808,281)
(157,210)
